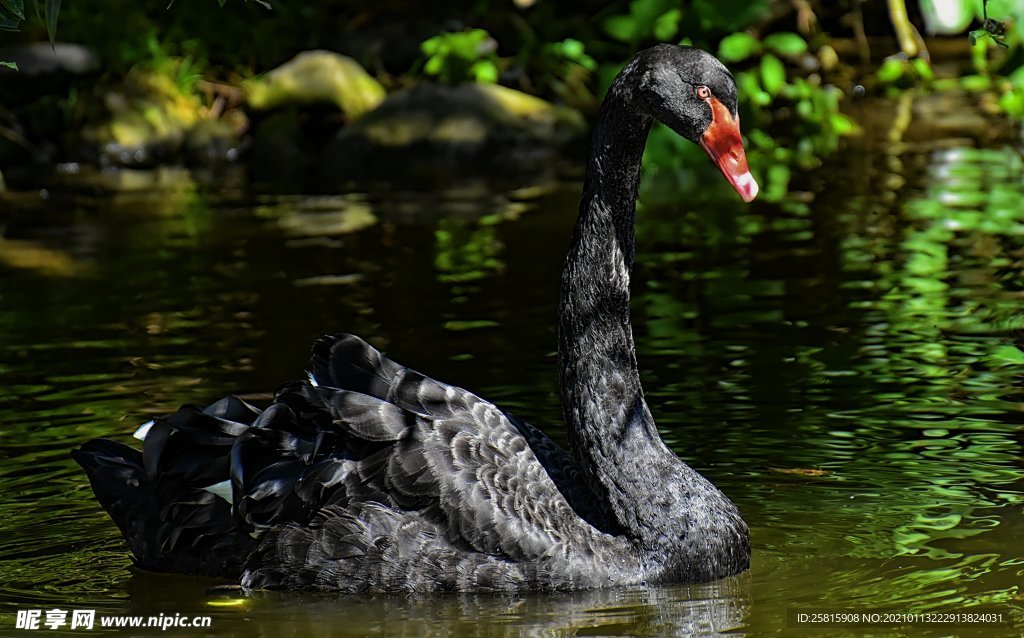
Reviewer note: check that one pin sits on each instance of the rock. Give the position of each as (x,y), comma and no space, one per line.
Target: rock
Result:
(40,58)
(148,120)
(211,141)
(432,132)
(317,77)
(138,122)
(276,145)
(33,98)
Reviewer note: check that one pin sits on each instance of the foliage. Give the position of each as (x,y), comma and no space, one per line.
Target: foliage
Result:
(563,69)
(563,51)
(646,19)
(461,57)
(804,115)
(571,50)
(12,13)
(1000,20)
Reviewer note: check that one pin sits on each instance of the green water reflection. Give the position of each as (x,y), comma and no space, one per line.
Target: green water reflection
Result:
(848,370)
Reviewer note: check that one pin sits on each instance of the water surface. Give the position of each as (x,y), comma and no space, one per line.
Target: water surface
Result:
(846,365)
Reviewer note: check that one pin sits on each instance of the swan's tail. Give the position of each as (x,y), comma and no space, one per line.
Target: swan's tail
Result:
(168,499)
(206,478)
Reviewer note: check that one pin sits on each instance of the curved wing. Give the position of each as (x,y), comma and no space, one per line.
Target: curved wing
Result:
(399,474)
(347,362)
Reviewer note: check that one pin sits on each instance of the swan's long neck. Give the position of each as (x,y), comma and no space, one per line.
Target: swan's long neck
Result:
(611,430)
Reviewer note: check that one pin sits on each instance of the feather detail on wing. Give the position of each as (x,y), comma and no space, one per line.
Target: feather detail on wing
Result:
(422,456)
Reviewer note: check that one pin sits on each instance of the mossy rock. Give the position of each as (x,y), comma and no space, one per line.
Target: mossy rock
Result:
(147,120)
(316,77)
(144,118)
(431,131)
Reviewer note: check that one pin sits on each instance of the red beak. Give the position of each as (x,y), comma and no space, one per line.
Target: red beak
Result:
(723,144)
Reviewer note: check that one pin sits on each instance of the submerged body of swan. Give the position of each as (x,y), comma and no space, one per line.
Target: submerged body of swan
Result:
(369,476)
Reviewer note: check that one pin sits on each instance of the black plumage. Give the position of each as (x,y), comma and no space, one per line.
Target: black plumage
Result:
(373,477)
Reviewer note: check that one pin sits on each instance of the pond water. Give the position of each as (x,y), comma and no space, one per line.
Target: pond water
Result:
(846,365)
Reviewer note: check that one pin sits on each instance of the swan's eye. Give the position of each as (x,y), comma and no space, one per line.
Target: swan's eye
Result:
(703,92)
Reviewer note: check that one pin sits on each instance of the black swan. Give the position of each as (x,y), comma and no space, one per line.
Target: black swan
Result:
(370,477)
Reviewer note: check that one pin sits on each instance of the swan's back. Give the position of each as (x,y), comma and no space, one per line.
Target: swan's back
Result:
(368,477)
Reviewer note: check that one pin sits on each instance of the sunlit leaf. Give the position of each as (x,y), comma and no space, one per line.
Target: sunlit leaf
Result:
(785,43)
(976,82)
(923,69)
(738,47)
(485,71)
(777,182)
(620,27)
(750,87)
(1009,354)
(667,25)
(430,46)
(891,71)
(572,48)
(1013,103)
(843,125)
(773,74)
(433,66)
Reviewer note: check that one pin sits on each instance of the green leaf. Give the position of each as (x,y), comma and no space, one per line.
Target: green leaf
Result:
(667,25)
(843,125)
(1013,103)
(430,46)
(434,66)
(8,21)
(786,43)
(750,88)
(1011,354)
(777,182)
(17,7)
(891,71)
(738,47)
(50,12)
(571,48)
(773,74)
(923,69)
(484,71)
(620,27)
(975,83)
(9,65)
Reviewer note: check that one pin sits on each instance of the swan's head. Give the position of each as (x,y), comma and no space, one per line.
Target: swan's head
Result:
(692,93)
